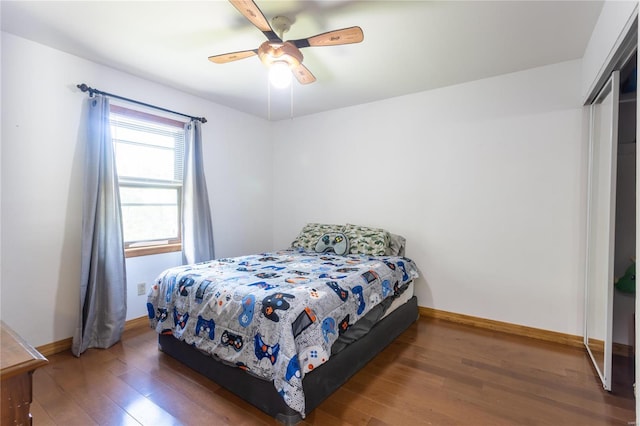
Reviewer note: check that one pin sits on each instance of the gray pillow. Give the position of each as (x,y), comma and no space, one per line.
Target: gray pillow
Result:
(396,245)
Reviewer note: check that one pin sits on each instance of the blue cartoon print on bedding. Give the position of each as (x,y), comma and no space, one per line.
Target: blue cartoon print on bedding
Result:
(277,314)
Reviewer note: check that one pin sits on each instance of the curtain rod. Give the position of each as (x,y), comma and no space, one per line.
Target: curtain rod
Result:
(83,87)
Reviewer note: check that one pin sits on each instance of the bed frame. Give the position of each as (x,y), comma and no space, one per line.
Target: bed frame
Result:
(317,385)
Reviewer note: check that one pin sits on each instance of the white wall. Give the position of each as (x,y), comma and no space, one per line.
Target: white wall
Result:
(487,176)
(41,179)
(485,179)
(145,269)
(0,175)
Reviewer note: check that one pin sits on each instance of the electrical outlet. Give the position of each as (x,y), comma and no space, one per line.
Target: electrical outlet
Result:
(142,289)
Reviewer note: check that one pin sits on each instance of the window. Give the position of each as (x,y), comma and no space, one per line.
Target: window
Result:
(149,154)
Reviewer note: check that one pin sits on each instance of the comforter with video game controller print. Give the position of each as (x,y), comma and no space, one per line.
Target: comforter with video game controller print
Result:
(274,315)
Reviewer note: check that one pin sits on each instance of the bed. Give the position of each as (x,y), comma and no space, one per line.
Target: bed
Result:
(285,329)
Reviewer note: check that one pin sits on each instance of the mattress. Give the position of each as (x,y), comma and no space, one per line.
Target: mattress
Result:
(374,316)
(278,315)
(400,299)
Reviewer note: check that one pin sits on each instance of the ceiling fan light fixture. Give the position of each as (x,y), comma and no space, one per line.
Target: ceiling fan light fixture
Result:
(280,74)
(276,50)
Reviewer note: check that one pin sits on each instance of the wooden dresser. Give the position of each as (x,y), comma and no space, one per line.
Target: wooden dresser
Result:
(18,361)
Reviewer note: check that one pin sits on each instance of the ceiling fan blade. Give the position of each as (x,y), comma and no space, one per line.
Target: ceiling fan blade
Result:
(303,75)
(233,56)
(332,38)
(250,10)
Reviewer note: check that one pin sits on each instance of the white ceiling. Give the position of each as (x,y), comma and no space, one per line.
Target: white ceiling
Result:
(409,46)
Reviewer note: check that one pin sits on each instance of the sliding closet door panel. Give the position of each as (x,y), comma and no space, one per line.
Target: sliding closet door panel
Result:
(601,228)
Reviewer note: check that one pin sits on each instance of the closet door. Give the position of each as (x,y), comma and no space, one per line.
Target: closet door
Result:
(603,142)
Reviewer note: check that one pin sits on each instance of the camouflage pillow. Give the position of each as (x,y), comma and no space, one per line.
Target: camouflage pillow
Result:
(312,232)
(364,240)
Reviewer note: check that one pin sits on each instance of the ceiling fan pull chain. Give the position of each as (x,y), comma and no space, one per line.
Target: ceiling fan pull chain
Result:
(291,100)
(268,100)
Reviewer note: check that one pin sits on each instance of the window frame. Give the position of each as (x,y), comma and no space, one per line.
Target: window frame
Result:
(141,248)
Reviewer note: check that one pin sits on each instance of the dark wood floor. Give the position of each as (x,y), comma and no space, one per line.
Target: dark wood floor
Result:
(436,373)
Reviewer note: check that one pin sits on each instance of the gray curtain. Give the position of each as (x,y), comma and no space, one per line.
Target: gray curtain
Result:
(103,285)
(197,231)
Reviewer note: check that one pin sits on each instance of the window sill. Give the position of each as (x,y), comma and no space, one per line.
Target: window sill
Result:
(149,250)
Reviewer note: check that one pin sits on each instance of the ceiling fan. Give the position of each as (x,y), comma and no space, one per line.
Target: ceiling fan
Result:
(277,54)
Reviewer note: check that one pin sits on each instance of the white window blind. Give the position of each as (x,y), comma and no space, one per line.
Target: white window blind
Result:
(149,160)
